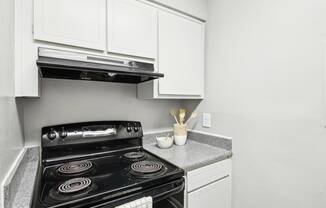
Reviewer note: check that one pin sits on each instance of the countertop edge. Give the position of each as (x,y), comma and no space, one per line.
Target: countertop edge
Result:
(19,191)
(209,162)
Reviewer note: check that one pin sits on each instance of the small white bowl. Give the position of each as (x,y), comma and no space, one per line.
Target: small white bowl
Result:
(180,140)
(164,142)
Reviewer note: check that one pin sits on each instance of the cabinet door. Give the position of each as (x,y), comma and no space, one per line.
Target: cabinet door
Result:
(78,23)
(132,28)
(324,82)
(181,55)
(196,8)
(215,195)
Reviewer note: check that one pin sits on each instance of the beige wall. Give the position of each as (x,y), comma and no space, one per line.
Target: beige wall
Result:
(264,89)
(65,101)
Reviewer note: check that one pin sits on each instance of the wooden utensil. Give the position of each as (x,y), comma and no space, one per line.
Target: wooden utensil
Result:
(174,113)
(182,115)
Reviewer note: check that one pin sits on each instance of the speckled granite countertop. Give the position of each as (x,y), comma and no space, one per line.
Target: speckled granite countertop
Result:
(191,156)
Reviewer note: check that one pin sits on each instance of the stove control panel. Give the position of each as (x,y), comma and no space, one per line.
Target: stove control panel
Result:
(90,132)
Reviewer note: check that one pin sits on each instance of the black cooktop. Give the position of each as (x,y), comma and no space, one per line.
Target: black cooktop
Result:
(93,173)
(111,176)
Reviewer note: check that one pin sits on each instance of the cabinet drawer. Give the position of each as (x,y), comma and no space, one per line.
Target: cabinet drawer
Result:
(208,174)
(217,194)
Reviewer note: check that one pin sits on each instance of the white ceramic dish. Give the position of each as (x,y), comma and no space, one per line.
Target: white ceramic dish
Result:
(180,140)
(164,142)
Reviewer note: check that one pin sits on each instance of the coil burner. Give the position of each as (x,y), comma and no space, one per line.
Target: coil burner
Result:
(75,167)
(147,169)
(74,185)
(134,156)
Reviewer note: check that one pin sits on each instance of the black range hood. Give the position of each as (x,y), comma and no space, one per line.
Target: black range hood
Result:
(57,64)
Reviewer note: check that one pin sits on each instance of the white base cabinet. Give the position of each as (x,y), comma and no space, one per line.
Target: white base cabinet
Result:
(215,195)
(210,186)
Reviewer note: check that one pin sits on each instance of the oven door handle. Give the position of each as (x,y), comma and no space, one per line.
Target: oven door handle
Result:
(159,193)
(171,192)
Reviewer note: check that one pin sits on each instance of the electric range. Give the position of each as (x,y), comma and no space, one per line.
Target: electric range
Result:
(103,164)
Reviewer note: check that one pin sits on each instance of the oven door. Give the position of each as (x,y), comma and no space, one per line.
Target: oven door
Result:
(169,203)
(173,198)
(168,195)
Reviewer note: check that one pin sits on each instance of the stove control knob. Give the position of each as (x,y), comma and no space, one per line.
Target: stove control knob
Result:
(136,128)
(63,133)
(52,135)
(129,128)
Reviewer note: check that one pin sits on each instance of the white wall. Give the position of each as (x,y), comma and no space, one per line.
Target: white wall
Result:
(66,101)
(11,139)
(264,88)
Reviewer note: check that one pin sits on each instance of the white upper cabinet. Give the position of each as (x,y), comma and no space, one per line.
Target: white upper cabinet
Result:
(181,55)
(132,28)
(78,23)
(196,8)
(139,29)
